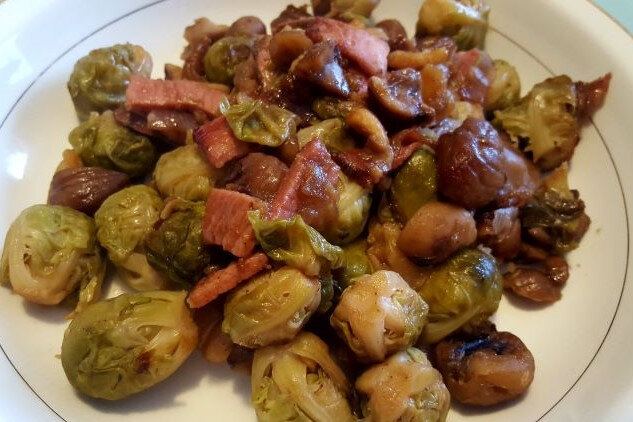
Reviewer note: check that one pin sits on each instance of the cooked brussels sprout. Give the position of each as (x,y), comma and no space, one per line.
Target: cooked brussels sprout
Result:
(124,220)
(175,247)
(546,118)
(404,388)
(505,87)
(261,123)
(353,206)
(555,216)
(299,381)
(379,315)
(270,308)
(466,21)
(461,293)
(347,10)
(49,252)
(102,142)
(296,244)
(122,346)
(99,80)
(355,263)
(329,108)
(414,185)
(184,172)
(224,56)
(331,132)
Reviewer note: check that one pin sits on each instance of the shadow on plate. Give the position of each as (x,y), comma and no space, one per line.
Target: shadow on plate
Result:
(189,376)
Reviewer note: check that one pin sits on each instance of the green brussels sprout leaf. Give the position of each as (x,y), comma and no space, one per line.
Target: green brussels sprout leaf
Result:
(260,123)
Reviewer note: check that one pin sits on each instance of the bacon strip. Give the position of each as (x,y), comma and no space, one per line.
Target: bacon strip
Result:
(145,94)
(212,286)
(408,141)
(218,143)
(358,45)
(308,188)
(226,223)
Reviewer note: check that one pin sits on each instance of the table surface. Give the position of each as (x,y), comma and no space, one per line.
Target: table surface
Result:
(621,10)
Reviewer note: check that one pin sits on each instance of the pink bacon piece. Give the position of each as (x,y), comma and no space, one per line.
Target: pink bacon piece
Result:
(218,143)
(221,281)
(226,223)
(144,94)
(366,50)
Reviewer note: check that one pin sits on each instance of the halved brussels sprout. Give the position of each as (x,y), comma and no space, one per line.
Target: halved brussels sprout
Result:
(404,388)
(261,123)
(102,142)
(124,220)
(223,56)
(355,263)
(378,315)
(353,206)
(505,87)
(414,185)
(271,307)
(184,172)
(100,79)
(175,247)
(296,244)
(546,118)
(461,293)
(49,252)
(122,346)
(299,381)
(466,21)
(555,216)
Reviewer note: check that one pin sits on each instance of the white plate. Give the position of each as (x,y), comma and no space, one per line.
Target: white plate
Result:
(582,345)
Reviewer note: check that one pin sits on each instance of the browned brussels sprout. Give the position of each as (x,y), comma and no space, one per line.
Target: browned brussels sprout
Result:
(299,381)
(99,80)
(270,308)
(404,388)
(102,142)
(224,56)
(555,217)
(414,184)
(122,346)
(174,247)
(379,314)
(466,21)
(51,251)
(461,293)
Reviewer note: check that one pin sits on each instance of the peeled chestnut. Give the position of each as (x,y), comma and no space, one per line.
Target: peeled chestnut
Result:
(471,164)
(487,370)
(85,188)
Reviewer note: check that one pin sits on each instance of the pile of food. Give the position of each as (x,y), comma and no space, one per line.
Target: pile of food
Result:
(335,207)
